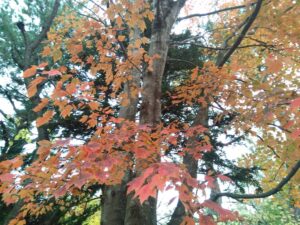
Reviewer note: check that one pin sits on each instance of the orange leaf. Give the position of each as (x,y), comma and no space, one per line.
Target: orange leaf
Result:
(195,73)
(21,222)
(41,105)
(66,111)
(43,65)
(46,51)
(30,72)
(94,105)
(274,65)
(45,118)
(31,91)
(121,37)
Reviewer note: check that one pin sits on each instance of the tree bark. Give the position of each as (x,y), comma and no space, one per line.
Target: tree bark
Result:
(114,198)
(165,14)
(191,164)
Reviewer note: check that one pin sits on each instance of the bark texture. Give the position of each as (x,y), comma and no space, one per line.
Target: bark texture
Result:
(165,14)
(114,198)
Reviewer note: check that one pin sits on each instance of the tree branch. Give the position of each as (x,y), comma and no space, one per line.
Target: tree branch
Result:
(214,12)
(273,191)
(45,28)
(222,48)
(243,33)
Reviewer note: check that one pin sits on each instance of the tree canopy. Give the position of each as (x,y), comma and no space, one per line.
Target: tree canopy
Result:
(125,107)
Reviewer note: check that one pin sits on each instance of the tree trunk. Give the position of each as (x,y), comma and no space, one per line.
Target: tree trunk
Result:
(165,14)
(114,198)
(191,164)
(24,64)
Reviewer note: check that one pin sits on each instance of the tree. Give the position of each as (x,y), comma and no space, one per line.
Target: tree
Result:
(114,71)
(20,46)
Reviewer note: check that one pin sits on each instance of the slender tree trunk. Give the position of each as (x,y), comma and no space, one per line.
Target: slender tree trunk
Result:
(27,60)
(114,198)
(191,164)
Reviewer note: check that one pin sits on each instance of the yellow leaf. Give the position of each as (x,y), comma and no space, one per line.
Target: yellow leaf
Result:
(57,55)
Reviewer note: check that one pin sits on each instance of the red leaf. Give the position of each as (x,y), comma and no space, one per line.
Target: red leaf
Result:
(187,221)
(224,214)
(295,103)
(206,220)
(54,73)
(7,177)
(210,181)
(145,192)
(295,134)
(224,178)
(60,192)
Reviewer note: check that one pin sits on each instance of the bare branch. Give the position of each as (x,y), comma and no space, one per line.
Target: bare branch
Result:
(273,191)
(181,60)
(223,48)
(45,28)
(243,33)
(214,12)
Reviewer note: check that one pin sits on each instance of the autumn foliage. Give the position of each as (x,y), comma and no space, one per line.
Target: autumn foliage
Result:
(89,64)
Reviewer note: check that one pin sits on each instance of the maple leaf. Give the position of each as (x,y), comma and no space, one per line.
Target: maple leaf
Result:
(66,111)
(295,134)
(224,178)
(60,192)
(46,51)
(224,214)
(121,38)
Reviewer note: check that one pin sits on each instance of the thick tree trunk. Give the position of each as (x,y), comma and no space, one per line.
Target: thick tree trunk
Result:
(165,14)
(113,203)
